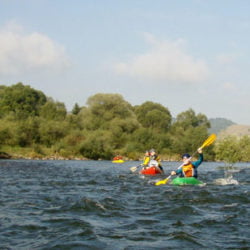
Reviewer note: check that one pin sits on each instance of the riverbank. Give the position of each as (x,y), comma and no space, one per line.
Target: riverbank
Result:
(32,154)
(43,153)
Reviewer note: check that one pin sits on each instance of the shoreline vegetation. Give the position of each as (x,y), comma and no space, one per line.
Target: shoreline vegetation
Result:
(60,158)
(34,126)
(31,155)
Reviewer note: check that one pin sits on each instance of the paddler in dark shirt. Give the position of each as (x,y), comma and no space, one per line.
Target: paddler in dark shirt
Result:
(188,168)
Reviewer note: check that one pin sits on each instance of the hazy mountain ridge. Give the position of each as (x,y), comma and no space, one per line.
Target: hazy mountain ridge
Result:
(235,130)
(219,124)
(224,127)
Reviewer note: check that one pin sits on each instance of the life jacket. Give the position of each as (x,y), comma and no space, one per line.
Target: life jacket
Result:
(188,170)
(153,163)
(146,160)
(156,158)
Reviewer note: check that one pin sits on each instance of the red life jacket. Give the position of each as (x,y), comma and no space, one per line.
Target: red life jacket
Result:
(188,170)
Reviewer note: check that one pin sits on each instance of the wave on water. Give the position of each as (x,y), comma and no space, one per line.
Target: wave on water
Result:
(228,179)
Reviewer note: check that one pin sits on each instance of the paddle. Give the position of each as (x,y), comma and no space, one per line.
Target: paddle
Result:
(162,182)
(206,143)
(133,169)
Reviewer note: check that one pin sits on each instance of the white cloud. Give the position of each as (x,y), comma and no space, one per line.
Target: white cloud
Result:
(226,58)
(21,52)
(229,86)
(165,61)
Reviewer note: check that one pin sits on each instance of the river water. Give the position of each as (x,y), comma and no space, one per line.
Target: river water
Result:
(102,205)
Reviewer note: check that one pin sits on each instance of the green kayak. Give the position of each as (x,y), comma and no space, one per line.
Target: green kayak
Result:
(186,181)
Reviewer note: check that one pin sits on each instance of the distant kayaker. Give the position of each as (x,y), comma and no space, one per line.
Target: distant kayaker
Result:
(188,168)
(146,159)
(118,157)
(154,156)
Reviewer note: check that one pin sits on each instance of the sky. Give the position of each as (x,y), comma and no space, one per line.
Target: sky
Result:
(185,54)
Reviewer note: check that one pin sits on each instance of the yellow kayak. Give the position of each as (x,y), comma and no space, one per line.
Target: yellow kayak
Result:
(118,161)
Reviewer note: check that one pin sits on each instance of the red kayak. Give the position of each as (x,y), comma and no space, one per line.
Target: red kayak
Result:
(150,171)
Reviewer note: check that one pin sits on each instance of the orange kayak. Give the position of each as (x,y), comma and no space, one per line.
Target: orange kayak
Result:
(150,171)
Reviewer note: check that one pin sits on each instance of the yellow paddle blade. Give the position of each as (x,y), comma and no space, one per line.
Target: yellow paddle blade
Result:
(162,182)
(209,140)
(133,169)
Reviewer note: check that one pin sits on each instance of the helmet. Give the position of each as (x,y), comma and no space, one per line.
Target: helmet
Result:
(152,150)
(186,156)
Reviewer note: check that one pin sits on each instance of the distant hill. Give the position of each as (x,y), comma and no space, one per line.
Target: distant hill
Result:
(235,130)
(219,124)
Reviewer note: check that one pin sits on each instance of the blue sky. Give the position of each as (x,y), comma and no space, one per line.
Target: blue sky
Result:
(183,54)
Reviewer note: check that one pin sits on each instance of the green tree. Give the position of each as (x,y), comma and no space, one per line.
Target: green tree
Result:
(228,150)
(52,110)
(189,131)
(109,106)
(51,132)
(244,147)
(21,100)
(153,115)
(76,109)
(97,145)
(188,119)
(102,109)
(121,129)
(6,131)
(27,132)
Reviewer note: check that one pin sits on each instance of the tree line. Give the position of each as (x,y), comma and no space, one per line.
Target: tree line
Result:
(35,125)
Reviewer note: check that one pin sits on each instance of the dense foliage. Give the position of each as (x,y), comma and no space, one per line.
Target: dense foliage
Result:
(232,149)
(35,125)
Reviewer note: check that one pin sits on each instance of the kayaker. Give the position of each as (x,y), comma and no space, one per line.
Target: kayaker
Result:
(188,168)
(154,156)
(146,159)
(118,157)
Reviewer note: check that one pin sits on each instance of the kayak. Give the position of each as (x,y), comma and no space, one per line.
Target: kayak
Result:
(178,181)
(150,171)
(118,161)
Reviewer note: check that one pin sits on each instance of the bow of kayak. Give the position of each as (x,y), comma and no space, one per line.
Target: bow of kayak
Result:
(150,171)
(179,181)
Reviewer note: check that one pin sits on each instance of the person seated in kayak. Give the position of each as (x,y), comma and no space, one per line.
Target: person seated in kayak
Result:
(189,169)
(118,157)
(146,159)
(154,156)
